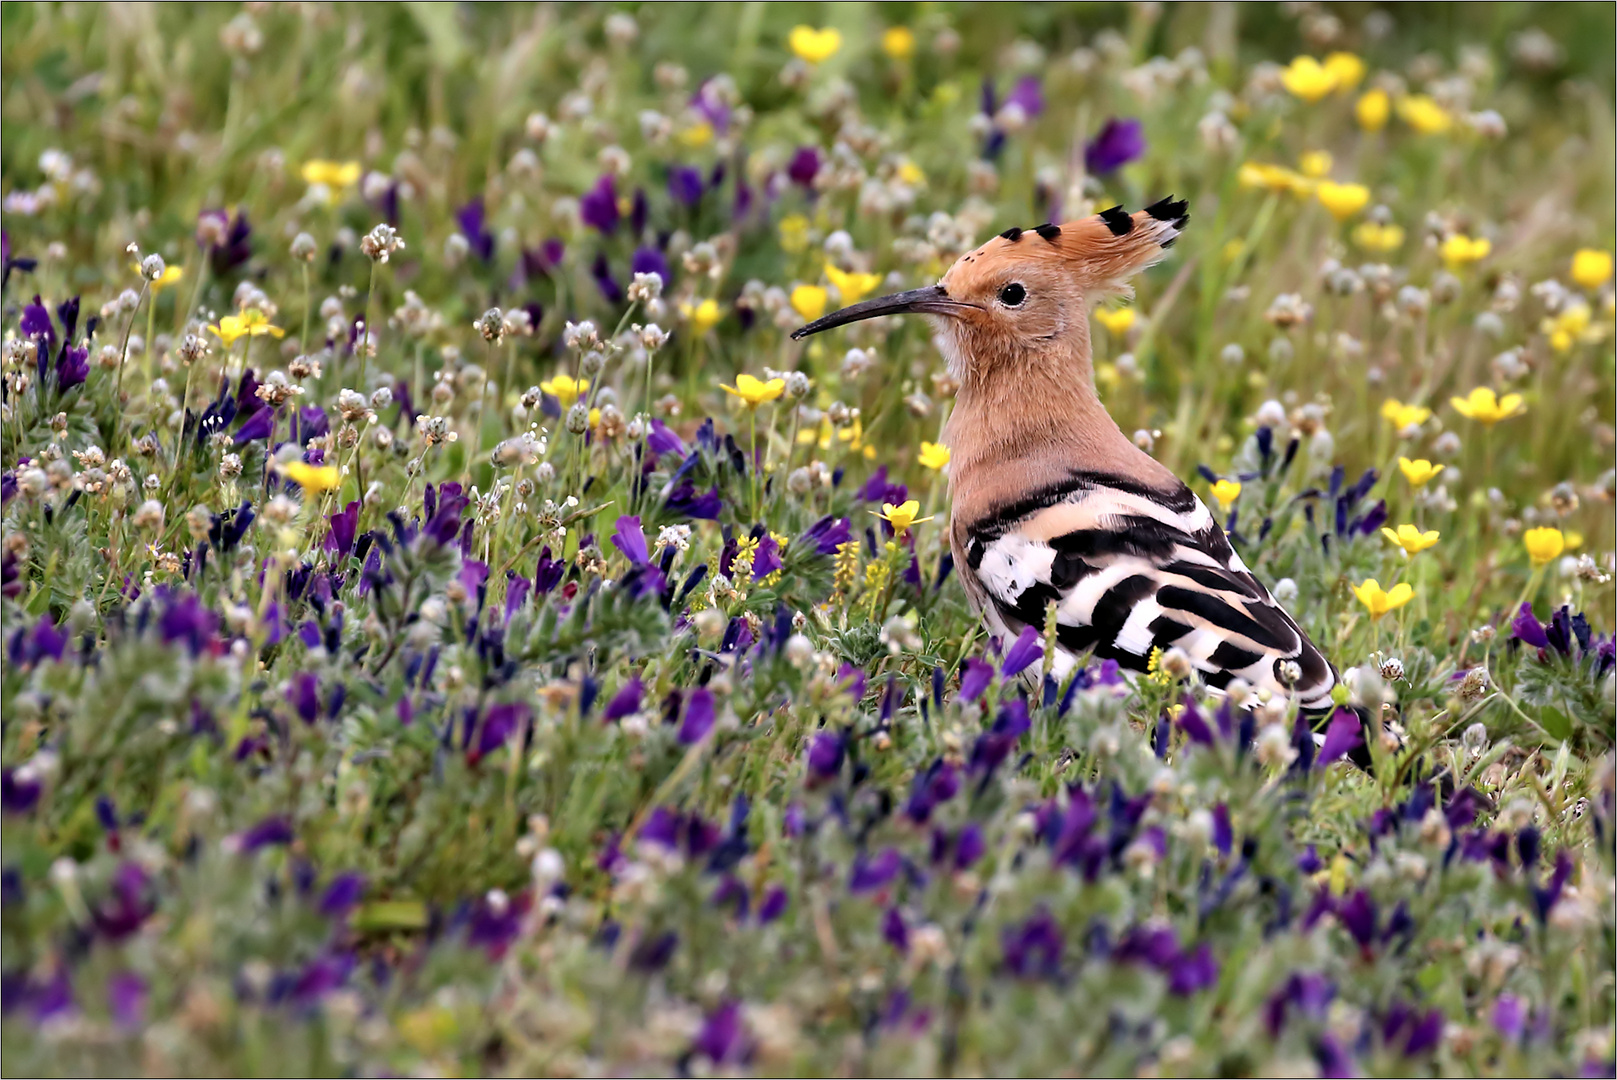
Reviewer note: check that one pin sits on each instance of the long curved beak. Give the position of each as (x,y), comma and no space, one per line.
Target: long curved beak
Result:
(932,300)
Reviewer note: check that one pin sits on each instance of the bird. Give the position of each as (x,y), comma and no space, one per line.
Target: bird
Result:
(1052,504)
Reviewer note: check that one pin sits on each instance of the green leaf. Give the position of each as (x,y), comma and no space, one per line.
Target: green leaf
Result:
(382,915)
(1555,723)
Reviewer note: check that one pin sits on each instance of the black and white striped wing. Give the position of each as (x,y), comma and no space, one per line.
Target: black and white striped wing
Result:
(1131,569)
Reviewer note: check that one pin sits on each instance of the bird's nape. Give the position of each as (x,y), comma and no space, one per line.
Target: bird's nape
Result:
(931,300)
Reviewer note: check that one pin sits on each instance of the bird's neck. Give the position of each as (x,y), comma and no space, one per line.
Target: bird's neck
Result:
(1030,425)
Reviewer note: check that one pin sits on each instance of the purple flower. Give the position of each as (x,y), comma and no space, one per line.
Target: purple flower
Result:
(826,751)
(1358,915)
(258,426)
(472,218)
(1034,950)
(549,572)
(1028,647)
(1342,737)
(804,166)
(500,723)
(126,999)
(774,903)
(698,717)
(895,931)
(1194,724)
(992,748)
(649,260)
(231,249)
(1546,897)
(1419,1032)
(625,702)
(878,489)
(20,789)
(304,696)
(1525,627)
(1334,1059)
(975,679)
(722,1038)
(1120,141)
(711,105)
(969,846)
(185,619)
(630,539)
(599,206)
(766,560)
(685,501)
(869,874)
(342,895)
(1509,1018)
(1223,834)
(1309,992)
(661,440)
(1028,95)
(271,832)
(129,904)
(828,534)
(1192,972)
(685,185)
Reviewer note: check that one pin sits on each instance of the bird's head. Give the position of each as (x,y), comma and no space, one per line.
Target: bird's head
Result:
(1028,292)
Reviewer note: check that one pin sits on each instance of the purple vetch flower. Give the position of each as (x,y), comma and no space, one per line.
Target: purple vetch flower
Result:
(1119,142)
(1223,834)
(895,931)
(1035,949)
(710,104)
(630,539)
(1192,972)
(723,1037)
(826,751)
(1412,1031)
(625,702)
(303,694)
(598,207)
(20,789)
(472,219)
(342,895)
(344,529)
(1310,993)
(549,572)
(828,534)
(994,746)
(130,903)
(1357,914)
(870,874)
(804,166)
(969,846)
(685,185)
(126,999)
(774,904)
(852,681)
(271,832)
(1341,737)
(766,560)
(650,260)
(501,722)
(1027,95)
(1028,647)
(878,489)
(1547,896)
(1334,1059)
(1194,724)
(698,721)
(496,922)
(660,440)
(1528,629)
(1509,1017)
(976,677)
(687,502)
(258,426)
(227,239)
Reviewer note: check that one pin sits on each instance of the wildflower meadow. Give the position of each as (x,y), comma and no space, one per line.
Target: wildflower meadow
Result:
(451,628)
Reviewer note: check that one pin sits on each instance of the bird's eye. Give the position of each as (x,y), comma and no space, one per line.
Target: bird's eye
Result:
(1013,294)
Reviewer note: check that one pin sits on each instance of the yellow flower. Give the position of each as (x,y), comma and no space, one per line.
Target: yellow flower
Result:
(702,317)
(333,174)
(1379,601)
(565,389)
(1591,268)
(901,517)
(1418,472)
(311,478)
(1383,238)
(1256,174)
(170,275)
(910,173)
(595,419)
(1403,416)
(1118,321)
(1342,200)
(1371,110)
(1308,79)
(1544,544)
(794,234)
(1570,326)
(934,455)
(697,135)
(898,42)
(1460,250)
(1346,68)
(754,392)
(851,285)
(1226,492)
(1233,249)
(815,46)
(1424,115)
(1484,407)
(1411,539)
(809,301)
(250,323)
(1315,163)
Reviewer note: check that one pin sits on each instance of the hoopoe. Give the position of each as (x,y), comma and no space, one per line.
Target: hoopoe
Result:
(1052,503)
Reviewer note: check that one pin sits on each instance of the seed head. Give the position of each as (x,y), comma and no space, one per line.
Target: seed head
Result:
(381,242)
(491,325)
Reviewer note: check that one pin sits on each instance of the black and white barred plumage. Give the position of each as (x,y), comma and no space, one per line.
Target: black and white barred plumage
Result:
(1131,569)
